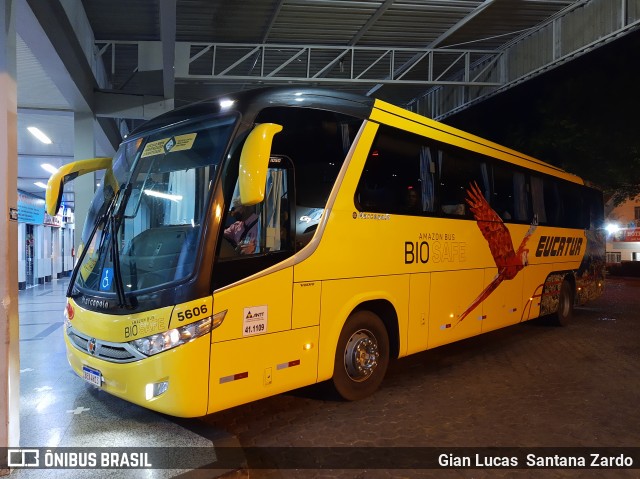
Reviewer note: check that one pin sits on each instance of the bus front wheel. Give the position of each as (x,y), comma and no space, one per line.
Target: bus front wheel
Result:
(362,356)
(565,304)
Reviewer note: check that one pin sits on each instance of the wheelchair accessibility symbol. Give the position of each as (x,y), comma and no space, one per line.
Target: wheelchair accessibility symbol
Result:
(107,278)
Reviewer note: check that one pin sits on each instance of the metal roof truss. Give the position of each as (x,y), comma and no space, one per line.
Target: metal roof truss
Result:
(325,63)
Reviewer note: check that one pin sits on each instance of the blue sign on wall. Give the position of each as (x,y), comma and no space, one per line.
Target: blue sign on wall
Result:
(30,209)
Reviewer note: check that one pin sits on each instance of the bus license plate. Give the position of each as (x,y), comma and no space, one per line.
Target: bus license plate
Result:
(92,376)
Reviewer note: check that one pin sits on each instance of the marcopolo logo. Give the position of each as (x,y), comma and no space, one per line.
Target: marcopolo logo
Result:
(559,246)
(371,216)
(95,303)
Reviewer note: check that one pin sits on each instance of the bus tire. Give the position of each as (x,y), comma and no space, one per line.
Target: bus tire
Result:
(362,356)
(563,316)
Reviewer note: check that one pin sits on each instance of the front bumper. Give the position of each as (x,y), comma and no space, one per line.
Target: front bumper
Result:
(185,369)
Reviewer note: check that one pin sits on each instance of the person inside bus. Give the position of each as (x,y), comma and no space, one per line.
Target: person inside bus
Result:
(243,233)
(411,201)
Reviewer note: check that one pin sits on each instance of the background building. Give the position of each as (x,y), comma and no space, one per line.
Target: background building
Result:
(623,225)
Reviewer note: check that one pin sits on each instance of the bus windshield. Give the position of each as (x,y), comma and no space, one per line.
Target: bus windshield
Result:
(151,224)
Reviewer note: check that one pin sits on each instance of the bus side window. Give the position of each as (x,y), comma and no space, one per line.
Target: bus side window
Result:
(262,228)
(458,170)
(560,203)
(398,175)
(575,206)
(553,202)
(270,240)
(508,194)
(538,199)
(316,142)
(276,215)
(521,197)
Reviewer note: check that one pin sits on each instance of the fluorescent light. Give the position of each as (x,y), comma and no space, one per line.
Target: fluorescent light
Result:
(224,104)
(49,168)
(40,184)
(159,194)
(39,135)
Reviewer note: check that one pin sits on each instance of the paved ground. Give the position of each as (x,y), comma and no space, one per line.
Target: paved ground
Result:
(58,409)
(529,385)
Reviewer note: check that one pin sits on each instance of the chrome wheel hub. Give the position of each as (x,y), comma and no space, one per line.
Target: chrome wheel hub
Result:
(361,355)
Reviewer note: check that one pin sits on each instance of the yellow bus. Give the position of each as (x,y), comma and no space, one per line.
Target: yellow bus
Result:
(275,238)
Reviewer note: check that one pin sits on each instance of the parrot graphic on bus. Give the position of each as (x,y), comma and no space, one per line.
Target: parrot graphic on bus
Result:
(508,261)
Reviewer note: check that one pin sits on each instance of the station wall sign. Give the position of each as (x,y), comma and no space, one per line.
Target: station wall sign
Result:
(30,209)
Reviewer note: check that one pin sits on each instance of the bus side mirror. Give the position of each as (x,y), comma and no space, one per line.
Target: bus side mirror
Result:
(254,162)
(66,173)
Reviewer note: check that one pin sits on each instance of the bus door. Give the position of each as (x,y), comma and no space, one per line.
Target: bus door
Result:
(255,352)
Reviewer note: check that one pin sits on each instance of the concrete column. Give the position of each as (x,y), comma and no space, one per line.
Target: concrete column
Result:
(83,186)
(22,263)
(9,352)
(56,257)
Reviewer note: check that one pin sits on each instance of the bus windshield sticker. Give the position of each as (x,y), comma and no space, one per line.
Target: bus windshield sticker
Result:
(169,145)
(106,279)
(255,320)
(87,267)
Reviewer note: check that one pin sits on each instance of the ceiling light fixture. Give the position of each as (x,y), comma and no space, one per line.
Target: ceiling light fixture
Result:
(166,196)
(39,135)
(49,168)
(40,184)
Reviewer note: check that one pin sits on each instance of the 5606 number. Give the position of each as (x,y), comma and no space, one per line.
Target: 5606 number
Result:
(192,313)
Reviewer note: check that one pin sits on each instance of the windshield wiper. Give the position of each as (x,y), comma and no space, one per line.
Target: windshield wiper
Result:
(102,219)
(109,219)
(115,254)
(116,220)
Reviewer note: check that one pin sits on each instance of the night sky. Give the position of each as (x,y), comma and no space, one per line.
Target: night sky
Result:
(582,116)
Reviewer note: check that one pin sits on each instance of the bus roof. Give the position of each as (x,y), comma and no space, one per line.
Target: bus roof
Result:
(454,135)
(251,102)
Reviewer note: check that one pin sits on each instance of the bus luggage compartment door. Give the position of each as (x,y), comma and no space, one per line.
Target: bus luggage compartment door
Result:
(452,294)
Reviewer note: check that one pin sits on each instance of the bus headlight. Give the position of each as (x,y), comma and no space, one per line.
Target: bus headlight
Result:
(157,343)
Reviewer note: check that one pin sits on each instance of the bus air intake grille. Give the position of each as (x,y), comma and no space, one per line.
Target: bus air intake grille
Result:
(119,354)
(105,350)
(78,342)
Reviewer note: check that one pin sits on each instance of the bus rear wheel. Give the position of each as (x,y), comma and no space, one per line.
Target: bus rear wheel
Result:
(362,356)
(565,304)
